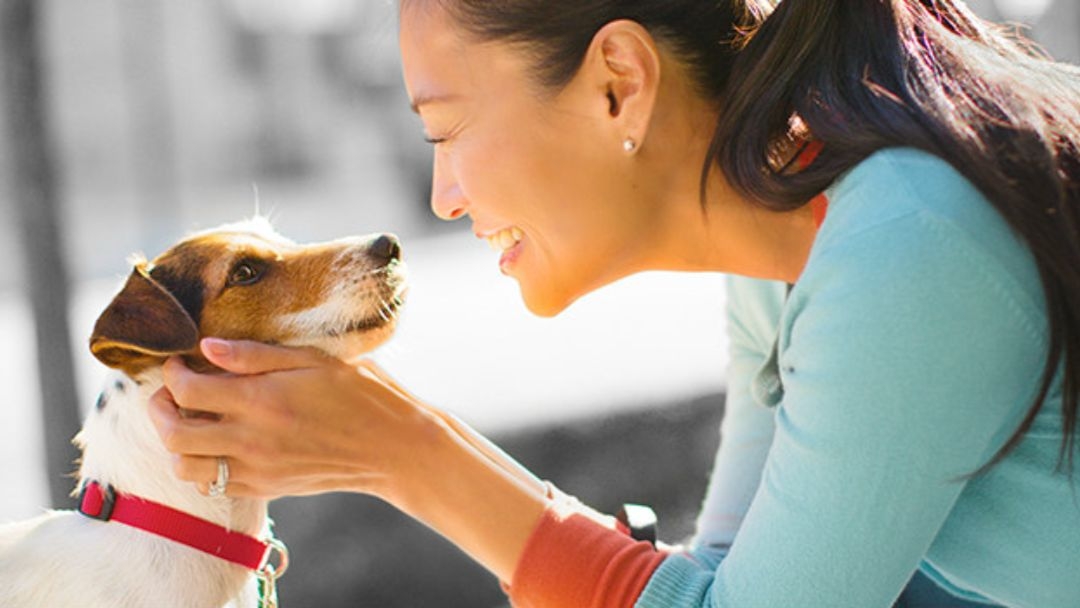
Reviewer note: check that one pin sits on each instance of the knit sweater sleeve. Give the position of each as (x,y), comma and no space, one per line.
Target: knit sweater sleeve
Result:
(753,315)
(578,558)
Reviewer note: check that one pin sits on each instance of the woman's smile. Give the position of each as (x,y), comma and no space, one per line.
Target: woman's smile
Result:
(508,241)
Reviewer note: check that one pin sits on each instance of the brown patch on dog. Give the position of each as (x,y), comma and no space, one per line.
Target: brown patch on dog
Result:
(287,278)
(142,326)
(237,284)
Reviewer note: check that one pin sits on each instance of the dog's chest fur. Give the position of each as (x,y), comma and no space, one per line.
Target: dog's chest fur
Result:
(63,559)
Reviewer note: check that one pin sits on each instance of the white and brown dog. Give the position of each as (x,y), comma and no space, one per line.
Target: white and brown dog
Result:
(240,281)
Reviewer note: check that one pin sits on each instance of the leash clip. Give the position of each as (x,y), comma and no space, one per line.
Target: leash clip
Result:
(637,522)
(268,573)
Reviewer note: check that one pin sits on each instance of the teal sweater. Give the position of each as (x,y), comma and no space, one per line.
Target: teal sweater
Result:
(905,356)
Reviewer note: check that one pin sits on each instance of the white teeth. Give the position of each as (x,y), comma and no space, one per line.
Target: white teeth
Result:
(505,239)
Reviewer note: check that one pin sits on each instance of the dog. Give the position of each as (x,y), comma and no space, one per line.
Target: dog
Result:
(238,281)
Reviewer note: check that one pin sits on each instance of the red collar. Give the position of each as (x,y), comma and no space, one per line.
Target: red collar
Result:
(106,504)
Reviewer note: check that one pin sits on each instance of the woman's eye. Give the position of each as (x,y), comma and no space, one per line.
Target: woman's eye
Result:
(434,140)
(244,273)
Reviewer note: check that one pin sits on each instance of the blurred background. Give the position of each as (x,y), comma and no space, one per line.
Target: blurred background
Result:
(130,123)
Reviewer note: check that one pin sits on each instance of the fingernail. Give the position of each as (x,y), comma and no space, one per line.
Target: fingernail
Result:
(217,347)
(173,365)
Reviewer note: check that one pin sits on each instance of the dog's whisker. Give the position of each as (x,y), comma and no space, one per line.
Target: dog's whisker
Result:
(389,268)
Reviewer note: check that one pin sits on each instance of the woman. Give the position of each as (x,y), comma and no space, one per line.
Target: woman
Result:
(896,185)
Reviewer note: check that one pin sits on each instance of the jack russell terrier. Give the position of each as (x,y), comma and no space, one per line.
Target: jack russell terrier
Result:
(140,537)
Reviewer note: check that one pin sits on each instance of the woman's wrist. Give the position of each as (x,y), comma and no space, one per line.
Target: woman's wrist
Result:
(427,423)
(479,498)
(411,466)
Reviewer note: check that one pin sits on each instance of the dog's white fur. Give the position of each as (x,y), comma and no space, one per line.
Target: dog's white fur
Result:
(63,559)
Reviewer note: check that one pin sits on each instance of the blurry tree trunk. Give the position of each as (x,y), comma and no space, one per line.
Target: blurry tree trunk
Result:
(286,146)
(32,175)
(292,126)
(151,117)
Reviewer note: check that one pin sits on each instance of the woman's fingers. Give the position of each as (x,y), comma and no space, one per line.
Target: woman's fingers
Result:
(289,421)
(264,481)
(227,394)
(214,394)
(199,469)
(182,434)
(203,471)
(246,357)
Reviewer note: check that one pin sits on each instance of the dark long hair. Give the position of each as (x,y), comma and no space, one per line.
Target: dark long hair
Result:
(860,76)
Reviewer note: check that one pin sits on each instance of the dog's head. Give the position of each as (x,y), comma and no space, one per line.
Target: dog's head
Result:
(245,281)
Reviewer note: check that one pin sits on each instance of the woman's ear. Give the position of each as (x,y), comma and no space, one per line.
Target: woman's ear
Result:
(624,65)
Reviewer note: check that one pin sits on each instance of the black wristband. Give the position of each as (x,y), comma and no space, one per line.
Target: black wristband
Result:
(639,522)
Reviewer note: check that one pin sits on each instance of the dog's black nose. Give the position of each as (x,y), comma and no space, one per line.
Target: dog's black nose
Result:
(385,249)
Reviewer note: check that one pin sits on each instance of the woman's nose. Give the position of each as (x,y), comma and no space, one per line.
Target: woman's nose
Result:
(447,201)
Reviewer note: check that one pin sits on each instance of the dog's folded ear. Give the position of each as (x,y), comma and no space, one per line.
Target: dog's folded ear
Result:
(142,326)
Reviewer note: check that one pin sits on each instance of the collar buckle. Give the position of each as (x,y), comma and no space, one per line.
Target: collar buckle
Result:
(97,501)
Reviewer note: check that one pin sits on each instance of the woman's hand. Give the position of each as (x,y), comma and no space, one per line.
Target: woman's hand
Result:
(295,421)
(290,422)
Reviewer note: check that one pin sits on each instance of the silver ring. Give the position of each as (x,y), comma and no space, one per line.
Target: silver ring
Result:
(218,487)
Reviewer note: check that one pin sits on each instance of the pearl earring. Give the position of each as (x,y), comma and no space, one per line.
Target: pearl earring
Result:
(629,145)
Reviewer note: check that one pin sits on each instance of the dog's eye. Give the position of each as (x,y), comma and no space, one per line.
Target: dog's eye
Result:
(245,273)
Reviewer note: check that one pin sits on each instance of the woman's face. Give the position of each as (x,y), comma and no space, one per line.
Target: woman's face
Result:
(542,176)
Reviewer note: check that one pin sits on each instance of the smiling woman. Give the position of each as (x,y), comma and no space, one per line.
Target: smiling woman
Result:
(895,189)
(546,175)
(528,170)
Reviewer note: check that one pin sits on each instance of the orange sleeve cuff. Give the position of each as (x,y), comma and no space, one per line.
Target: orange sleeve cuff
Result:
(576,559)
